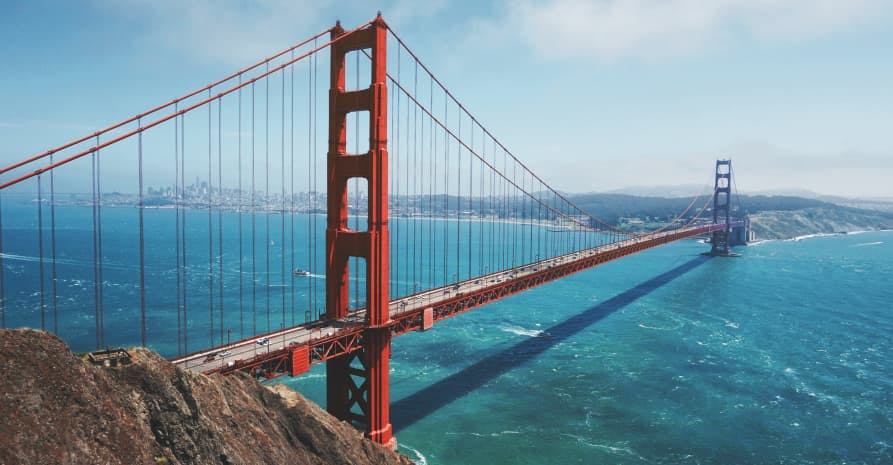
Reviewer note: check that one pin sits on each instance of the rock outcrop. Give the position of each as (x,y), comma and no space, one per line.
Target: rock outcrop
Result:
(56,408)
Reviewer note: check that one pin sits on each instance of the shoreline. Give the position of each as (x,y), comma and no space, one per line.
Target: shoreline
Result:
(820,235)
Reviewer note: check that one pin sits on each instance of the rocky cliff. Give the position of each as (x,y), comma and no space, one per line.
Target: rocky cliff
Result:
(56,408)
(790,224)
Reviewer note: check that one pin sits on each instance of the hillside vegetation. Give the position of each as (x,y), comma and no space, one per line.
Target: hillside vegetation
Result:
(790,224)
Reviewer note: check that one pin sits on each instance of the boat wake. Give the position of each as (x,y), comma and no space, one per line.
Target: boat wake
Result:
(523,332)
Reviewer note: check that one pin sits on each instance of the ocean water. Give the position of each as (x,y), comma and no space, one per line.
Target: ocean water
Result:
(782,355)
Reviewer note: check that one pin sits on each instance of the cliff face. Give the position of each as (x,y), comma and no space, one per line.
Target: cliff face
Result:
(790,224)
(58,409)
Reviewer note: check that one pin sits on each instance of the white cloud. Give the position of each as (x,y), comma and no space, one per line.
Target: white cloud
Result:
(611,29)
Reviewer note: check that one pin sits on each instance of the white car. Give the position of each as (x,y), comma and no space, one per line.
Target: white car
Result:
(225,353)
(263,341)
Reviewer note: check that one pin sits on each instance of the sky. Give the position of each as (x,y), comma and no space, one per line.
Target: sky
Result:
(592,95)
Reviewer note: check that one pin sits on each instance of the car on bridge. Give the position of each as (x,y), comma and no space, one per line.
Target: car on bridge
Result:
(263,341)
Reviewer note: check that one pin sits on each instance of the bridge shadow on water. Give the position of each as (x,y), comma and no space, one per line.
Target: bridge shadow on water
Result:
(419,405)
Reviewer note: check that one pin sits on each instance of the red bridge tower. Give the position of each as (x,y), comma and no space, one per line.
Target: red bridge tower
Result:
(357,383)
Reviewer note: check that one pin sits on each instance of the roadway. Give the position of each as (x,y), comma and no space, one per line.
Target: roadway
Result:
(219,357)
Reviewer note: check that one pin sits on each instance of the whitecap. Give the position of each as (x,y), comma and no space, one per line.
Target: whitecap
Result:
(811,236)
(522,331)
(494,435)
(644,326)
(620,449)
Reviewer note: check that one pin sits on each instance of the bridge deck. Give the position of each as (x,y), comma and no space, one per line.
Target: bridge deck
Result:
(328,339)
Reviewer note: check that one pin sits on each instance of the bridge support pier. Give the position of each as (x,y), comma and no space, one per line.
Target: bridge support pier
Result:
(377,350)
(357,384)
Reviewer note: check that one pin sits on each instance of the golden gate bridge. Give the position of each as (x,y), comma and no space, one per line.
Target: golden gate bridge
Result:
(420,214)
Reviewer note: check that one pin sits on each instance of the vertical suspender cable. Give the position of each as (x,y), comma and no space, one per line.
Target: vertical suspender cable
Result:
(177,226)
(267,191)
(53,248)
(95,249)
(241,207)
(394,166)
(396,229)
(432,160)
(539,224)
(416,265)
(405,160)
(493,217)
(505,213)
(210,230)
(292,202)
(470,200)
(253,219)
(311,219)
(220,213)
(446,190)
(523,222)
(183,234)
(481,211)
(43,306)
(514,200)
(313,137)
(407,202)
(459,201)
(282,201)
(142,239)
(101,260)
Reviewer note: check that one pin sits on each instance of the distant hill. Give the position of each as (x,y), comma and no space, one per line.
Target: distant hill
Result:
(791,224)
(772,216)
(612,207)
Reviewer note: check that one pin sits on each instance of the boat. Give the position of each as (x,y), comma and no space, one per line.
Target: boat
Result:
(300,272)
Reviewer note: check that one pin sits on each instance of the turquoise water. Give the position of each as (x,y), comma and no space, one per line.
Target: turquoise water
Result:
(780,356)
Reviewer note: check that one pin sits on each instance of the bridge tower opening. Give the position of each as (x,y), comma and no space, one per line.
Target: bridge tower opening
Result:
(357,385)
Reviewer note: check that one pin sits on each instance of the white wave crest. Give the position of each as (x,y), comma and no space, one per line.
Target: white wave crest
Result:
(419,458)
(522,331)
